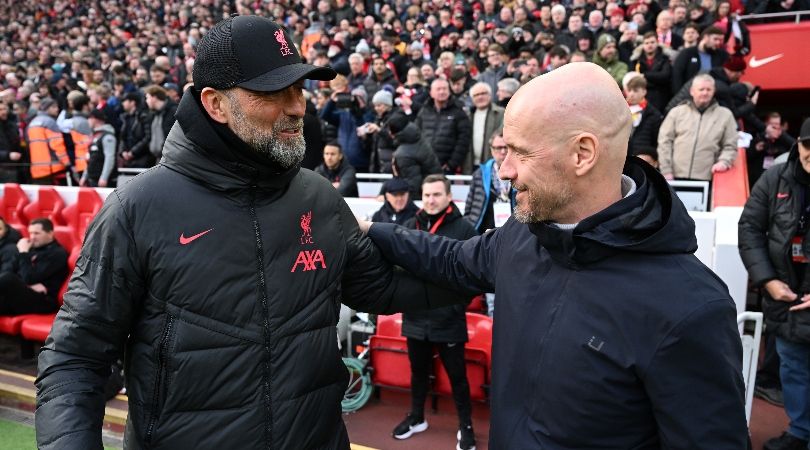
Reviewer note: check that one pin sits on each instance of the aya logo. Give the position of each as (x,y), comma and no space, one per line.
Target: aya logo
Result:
(285,49)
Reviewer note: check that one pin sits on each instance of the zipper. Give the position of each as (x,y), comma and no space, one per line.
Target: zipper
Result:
(268,428)
(162,356)
(694,147)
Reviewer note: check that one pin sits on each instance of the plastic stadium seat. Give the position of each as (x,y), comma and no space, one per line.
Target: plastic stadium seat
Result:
(48,204)
(77,216)
(37,328)
(13,202)
(64,236)
(389,325)
(477,304)
(388,355)
(11,324)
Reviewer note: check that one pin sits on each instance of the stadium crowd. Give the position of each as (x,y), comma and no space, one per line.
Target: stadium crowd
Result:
(447,66)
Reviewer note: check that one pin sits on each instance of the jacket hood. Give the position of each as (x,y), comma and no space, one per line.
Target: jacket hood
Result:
(107,128)
(408,135)
(651,220)
(215,156)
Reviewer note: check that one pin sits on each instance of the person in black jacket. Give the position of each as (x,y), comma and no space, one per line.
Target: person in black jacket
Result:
(10,151)
(221,272)
(707,55)
(646,118)
(135,134)
(609,331)
(160,119)
(39,272)
(412,159)
(773,242)
(767,146)
(337,170)
(649,60)
(398,207)
(8,247)
(445,127)
(444,329)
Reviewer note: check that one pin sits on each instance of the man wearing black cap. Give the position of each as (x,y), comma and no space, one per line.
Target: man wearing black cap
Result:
(398,207)
(135,133)
(101,153)
(773,241)
(220,272)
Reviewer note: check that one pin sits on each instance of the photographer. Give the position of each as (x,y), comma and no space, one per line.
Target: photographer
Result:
(348,113)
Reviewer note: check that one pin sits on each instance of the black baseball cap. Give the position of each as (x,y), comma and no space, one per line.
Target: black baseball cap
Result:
(395,185)
(254,53)
(804,135)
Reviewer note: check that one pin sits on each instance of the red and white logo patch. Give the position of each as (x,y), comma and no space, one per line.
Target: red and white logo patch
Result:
(308,259)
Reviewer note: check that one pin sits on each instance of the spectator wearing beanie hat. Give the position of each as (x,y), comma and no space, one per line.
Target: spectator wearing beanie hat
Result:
(607,57)
(413,160)
(382,147)
(399,206)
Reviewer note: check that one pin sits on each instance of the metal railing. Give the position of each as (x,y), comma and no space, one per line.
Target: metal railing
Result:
(797,19)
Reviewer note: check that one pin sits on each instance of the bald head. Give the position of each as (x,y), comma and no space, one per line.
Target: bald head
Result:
(567,134)
(573,99)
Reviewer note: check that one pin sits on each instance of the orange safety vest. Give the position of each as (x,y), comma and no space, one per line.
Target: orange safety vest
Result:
(48,153)
(81,148)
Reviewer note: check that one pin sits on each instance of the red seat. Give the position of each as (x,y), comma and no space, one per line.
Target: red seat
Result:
(389,325)
(37,328)
(48,204)
(13,203)
(64,236)
(11,324)
(477,304)
(77,216)
(388,355)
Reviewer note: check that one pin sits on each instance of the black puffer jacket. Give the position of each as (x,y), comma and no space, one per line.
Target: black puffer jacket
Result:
(413,159)
(448,324)
(222,279)
(343,174)
(47,265)
(8,250)
(767,225)
(447,132)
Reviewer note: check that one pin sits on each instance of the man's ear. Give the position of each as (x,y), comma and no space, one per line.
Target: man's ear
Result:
(586,153)
(216,104)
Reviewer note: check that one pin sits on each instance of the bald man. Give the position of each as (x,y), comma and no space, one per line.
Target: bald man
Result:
(610,333)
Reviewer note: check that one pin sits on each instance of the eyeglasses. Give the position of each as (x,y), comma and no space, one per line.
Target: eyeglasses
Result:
(499,148)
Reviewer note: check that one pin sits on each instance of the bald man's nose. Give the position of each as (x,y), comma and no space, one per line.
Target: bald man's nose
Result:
(507,171)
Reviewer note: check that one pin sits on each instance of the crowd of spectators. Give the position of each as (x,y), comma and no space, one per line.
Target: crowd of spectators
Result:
(447,66)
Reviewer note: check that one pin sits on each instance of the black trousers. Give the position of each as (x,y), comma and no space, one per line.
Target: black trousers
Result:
(17,298)
(420,353)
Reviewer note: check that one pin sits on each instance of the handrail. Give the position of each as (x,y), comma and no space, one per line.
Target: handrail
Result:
(798,15)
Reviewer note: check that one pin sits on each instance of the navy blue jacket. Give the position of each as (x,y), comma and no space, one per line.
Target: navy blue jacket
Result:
(614,336)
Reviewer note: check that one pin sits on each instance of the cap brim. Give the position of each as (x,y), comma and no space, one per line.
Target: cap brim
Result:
(284,76)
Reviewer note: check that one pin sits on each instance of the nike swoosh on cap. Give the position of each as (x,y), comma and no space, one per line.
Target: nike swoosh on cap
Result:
(754,62)
(187,240)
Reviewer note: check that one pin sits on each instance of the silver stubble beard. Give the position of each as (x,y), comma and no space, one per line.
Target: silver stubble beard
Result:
(286,152)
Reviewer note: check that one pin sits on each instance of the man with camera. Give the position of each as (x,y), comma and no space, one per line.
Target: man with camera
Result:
(774,246)
(348,112)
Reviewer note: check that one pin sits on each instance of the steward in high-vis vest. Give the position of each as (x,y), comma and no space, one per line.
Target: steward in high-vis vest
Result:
(101,161)
(73,122)
(49,158)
